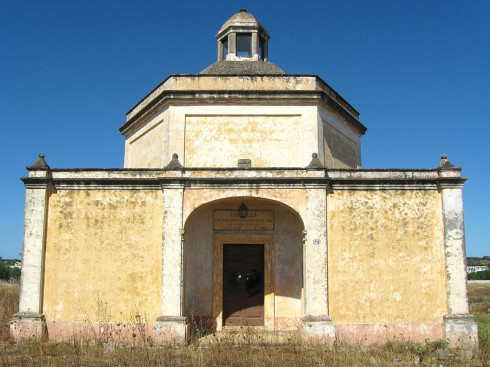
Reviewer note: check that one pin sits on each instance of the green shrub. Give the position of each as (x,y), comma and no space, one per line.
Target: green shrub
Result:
(479,275)
(8,273)
(4,271)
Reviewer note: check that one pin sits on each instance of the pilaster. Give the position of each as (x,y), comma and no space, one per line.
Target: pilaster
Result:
(29,321)
(316,322)
(460,327)
(172,326)
(231,46)
(220,51)
(255,45)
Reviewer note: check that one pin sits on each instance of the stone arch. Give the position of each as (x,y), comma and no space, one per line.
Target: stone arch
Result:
(283,253)
(294,199)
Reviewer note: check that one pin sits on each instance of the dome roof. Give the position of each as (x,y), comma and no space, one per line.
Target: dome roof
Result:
(241,19)
(242,68)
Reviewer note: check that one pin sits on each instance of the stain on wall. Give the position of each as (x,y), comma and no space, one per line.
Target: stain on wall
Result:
(198,263)
(206,83)
(194,198)
(288,264)
(340,151)
(147,149)
(103,255)
(219,141)
(386,256)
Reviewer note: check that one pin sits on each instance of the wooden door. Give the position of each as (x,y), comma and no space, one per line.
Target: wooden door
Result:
(243,284)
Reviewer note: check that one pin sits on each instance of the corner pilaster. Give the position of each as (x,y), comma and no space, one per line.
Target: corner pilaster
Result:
(172,327)
(460,327)
(29,321)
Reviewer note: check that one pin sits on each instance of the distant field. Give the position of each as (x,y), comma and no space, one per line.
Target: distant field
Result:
(479,297)
(245,349)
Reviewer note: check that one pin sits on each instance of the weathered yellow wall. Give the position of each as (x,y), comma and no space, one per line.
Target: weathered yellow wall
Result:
(386,256)
(340,151)
(103,255)
(148,148)
(220,141)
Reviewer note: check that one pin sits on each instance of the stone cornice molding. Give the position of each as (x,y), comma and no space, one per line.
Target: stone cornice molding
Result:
(36,182)
(245,96)
(155,183)
(320,83)
(451,184)
(317,91)
(232,177)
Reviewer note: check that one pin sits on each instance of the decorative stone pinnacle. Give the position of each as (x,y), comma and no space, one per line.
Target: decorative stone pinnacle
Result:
(444,163)
(243,10)
(174,163)
(315,162)
(40,163)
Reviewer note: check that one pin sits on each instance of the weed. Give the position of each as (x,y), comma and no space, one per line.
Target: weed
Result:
(484,331)
(9,300)
(244,347)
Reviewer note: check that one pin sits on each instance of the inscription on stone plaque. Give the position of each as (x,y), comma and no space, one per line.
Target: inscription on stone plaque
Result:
(256,220)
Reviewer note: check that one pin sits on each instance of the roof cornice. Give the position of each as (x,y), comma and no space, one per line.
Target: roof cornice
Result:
(322,92)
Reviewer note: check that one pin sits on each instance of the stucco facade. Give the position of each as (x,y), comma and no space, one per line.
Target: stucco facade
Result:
(242,201)
(298,114)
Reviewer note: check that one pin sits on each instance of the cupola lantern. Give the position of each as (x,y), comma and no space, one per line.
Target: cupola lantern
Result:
(242,38)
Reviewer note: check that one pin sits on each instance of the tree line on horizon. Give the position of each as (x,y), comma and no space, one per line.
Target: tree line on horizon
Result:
(7,271)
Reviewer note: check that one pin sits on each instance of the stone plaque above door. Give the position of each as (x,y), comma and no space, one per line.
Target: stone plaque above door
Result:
(256,220)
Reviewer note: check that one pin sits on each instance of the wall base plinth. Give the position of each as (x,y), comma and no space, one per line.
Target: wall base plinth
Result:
(461,331)
(317,328)
(171,330)
(28,325)
(381,333)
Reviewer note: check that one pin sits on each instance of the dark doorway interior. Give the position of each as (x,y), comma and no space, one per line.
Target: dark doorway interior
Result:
(243,284)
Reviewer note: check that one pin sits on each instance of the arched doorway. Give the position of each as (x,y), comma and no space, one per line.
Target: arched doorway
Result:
(243,274)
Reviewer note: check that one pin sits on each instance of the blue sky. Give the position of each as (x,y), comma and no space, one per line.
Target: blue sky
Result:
(417,71)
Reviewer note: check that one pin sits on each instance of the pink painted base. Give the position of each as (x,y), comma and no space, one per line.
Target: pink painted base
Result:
(122,333)
(286,323)
(22,329)
(138,334)
(125,333)
(367,334)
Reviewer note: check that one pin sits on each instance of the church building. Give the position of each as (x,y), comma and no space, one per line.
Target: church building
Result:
(242,202)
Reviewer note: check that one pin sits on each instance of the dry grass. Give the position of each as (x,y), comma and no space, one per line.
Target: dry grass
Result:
(9,300)
(9,304)
(245,349)
(230,353)
(479,298)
